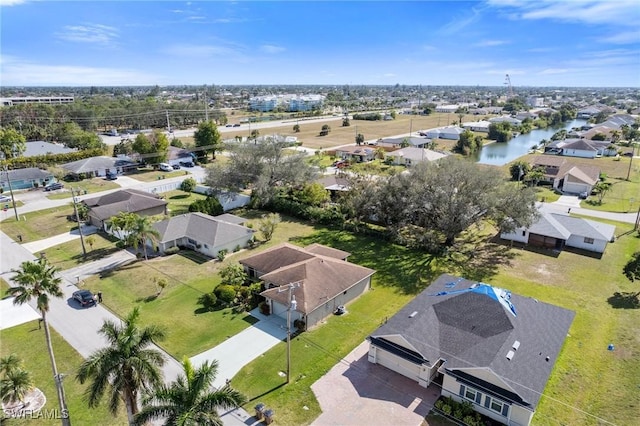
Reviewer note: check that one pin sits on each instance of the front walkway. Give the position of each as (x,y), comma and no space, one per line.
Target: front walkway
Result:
(239,350)
(356,391)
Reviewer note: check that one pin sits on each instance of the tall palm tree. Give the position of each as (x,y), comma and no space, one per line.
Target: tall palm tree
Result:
(191,399)
(143,231)
(37,280)
(15,384)
(125,367)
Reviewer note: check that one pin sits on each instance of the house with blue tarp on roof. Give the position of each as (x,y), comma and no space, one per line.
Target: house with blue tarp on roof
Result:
(477,343)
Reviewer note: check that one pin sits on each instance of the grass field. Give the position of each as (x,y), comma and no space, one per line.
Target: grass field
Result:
(150,175)
(29,344)
(586,376)
(88,186)
(69,254)
(38,225)
(179,201)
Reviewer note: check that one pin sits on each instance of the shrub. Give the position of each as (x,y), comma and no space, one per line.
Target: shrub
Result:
(172,250)
(188,185)
(299,324)
(209,205)
(208,301)
(221,254)
(225,293)
(237,248)
(264,308)
(446,408)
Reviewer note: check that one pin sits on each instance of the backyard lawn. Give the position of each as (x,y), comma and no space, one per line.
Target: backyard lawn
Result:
(150,175)
(87,186)
(586,376)
(40,224)
(29,344)
(179,201)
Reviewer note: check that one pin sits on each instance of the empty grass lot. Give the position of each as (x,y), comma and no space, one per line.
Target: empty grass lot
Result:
(40,224)
(29,344)
(587,376)
(190,329)
(88,186)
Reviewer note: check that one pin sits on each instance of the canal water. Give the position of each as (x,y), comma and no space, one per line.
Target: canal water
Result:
(498,154)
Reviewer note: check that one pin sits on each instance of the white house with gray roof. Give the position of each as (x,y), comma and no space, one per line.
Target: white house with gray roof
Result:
(556,230)
(203,233)
(491,348)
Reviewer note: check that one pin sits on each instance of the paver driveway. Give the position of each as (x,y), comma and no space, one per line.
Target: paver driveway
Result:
(357,392)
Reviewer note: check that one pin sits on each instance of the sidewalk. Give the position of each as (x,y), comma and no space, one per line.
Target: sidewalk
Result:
(40,245)
(567,202)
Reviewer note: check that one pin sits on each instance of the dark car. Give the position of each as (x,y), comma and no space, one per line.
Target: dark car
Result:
(176,167)
(111,176)
(236,125)
(229,125)
(187,164)
(84,297)
(53,186)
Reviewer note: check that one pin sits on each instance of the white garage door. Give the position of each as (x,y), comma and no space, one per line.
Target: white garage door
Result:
(575,188)
(397,364)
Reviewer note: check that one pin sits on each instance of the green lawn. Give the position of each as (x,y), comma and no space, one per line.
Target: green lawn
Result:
(546,194)
(179,201)
(586,376)
(376,167)
(191,330)
(38,225)
(149,175)
(87,186)
(29,344)
(69,254)
(624,197)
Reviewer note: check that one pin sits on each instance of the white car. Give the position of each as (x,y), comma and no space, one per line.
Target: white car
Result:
(5,199)
(165,167)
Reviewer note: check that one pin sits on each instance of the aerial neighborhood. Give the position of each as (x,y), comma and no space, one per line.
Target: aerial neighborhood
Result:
(426,261)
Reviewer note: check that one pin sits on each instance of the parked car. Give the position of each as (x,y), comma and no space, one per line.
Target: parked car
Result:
(236,125)
(111,176)
(229,125)
(5,199)
(583,195)
(53,186)
(84,298)
(187,164)
(165,167)
(176,167)
(340,310)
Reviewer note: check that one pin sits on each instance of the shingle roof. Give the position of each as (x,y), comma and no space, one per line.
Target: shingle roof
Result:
(29,173)
(126,200)
(276,257)
(202,228)
(471,330)
(327,251)
(549,226)
(43,148)
(586,227)
(417,154)
(91,164)
(321,278)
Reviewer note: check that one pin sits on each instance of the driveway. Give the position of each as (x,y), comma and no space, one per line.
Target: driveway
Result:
(40,245)
(237,351)
(356,391)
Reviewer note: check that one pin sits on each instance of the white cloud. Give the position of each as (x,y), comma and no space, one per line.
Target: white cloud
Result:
(271,48)
(11,2)
(20,72)
(89,33)
(458,23)
(197,50)
(490,43)
(389,75)
(627,37)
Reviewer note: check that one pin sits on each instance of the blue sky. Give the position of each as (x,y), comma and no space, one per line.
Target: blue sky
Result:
(104,43)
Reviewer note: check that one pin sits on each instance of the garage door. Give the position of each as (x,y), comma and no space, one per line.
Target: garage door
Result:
(574,188)
(397,364)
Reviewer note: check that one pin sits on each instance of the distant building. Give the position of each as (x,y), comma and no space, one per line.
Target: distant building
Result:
(293,103)
(36,100)
(43,148)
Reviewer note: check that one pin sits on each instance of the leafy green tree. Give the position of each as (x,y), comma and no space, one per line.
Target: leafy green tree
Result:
(359,139)
(312,194)
(233,275)
(500,132)
(209,205)
(188,185)
(519,169)
(142,232)
(324,131)
(38,281)
(601,189)
(128,365)
(91,240)
(405,143)
(254,134)
(153,148)
(225,293)
(12,143)
(296,128)
(535,176)
(268,224)
(190,400)
(632,268)
(346,122)
(468,143)
(207,138)
(177,143)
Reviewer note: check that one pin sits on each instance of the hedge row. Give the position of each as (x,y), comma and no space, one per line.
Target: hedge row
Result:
(42,161)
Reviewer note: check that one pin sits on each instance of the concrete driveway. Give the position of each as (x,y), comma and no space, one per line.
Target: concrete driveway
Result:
(357,392)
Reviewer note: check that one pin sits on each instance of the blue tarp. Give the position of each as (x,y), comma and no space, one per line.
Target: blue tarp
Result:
(499,295)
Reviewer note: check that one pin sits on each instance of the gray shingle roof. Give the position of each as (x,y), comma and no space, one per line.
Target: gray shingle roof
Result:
(30,173)
(91,164)
(126,200)
(43,148)
(471,330)
(202,228)
(586,227)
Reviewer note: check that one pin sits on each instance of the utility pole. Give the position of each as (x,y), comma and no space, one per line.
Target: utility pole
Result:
(633,152)
(13,201)
(168,124)
(292,305)
(75,210)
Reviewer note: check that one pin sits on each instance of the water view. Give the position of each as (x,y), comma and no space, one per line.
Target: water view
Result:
(498,154)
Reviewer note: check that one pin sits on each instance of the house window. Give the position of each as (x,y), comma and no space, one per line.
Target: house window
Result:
(192,241)
(524,233)
(588,240)
(470,394)
(206,246)
(496,405)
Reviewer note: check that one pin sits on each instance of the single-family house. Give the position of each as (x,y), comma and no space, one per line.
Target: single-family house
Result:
(588,112)
(410,156)
(335,184)
(399,142)
(176,155)
(355,153)
(506,118)
(556,230)
(99,166)
(104,207)
(485,345)
(566,176)
(35,148)
(477,126)
(30,177)
(321,277)
(203,233)
(446,132)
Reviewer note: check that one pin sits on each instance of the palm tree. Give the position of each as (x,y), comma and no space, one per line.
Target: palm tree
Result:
(15,385)
(191,399)
(37,280)
(124,367)
(143,231)
(8,363)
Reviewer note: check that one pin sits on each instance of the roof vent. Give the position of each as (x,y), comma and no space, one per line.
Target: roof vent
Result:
(516,345)
(413,314)
(510,355)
